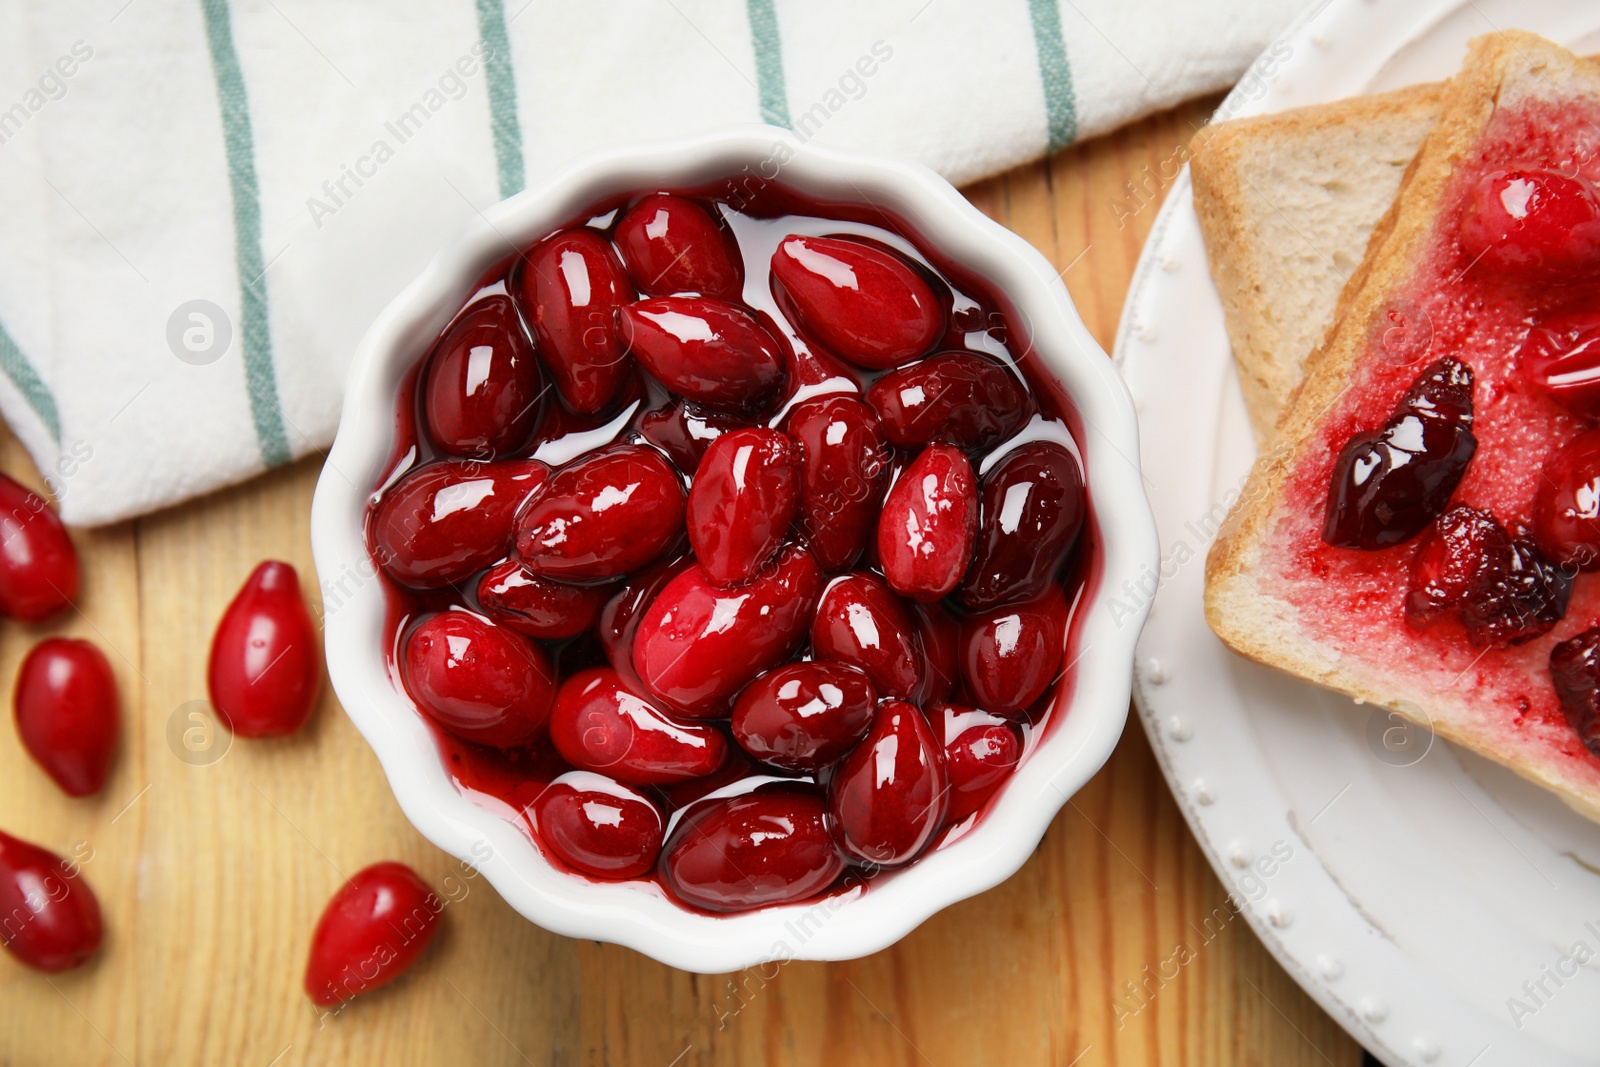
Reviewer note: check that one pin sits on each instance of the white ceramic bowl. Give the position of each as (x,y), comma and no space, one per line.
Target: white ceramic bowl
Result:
(478,830)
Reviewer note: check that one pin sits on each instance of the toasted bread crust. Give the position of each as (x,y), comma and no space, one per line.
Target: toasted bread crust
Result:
(1253,621)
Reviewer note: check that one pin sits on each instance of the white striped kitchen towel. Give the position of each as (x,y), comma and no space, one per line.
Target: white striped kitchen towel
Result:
(205,202)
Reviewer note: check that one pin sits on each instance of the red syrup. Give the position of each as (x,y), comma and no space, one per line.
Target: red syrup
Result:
(976,318)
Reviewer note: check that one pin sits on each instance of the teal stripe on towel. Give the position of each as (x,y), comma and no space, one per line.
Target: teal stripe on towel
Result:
(502,97)
(260,376)
(768,46)
(1061,106)
(29,384)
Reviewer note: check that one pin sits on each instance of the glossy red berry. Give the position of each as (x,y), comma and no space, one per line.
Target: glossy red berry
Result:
(1567,508)
(371,932)
(1532,225)
(1455,564)
(1010,655)
(512,595)
(705,350)
(1503,590)
(442,522)
(742,503)
(767,847)
(599,724)
(67,717)
(861,300)
(1575,673)
(570,288)
(481,395)
(1031,509)
(859,621)
(603,516)
(673,245)
(1524,601)
(684,431)
(954,398)
(929,520)
(481,682)
(1389,484)
(38,565)
(1561,359)
(980,752)
(697,645)
(51,918)
(266,667)
(888,796)
(844,464)
(598,826)
(804,716)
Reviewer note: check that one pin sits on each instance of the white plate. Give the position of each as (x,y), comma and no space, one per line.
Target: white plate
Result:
(1410,887)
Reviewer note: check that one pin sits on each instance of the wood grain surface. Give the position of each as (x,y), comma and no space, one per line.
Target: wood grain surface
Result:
(212,871)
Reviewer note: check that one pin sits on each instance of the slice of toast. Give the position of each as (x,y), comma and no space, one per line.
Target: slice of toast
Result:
(1276,594)
(1287,203)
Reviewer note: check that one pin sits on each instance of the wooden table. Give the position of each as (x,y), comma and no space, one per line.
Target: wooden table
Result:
(212,875)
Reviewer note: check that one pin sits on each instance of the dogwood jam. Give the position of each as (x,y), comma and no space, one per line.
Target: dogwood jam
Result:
(840,707)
